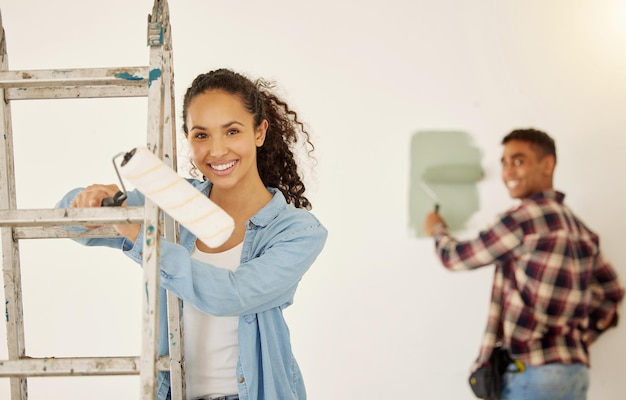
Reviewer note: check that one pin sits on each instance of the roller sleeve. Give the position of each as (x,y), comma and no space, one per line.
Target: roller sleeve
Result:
(177,197)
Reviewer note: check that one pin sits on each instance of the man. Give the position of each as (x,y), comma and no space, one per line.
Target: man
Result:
(553,291)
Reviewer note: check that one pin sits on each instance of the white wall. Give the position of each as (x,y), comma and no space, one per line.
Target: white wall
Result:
(376,316)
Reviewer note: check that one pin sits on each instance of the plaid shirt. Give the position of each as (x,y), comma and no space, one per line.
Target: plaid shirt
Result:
(551,284)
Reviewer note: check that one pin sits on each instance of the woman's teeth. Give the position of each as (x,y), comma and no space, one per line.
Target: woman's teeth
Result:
(222,167)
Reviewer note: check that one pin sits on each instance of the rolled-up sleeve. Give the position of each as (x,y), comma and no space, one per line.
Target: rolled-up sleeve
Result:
(495,243)
(607,293)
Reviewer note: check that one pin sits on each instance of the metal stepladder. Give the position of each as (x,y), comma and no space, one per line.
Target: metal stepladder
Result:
(156,82)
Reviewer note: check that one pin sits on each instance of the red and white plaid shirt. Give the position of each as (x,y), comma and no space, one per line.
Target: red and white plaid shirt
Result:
(551,284)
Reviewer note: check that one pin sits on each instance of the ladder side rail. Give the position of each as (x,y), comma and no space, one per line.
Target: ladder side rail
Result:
(159,38)
(153,228)
(174,304)
(10,247)
(151,284)
(176,347)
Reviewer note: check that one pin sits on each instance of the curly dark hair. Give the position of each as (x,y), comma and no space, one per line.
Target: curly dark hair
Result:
(541,141)
(275,159)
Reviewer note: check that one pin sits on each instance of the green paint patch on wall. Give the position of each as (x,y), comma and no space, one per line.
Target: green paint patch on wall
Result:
(449,164)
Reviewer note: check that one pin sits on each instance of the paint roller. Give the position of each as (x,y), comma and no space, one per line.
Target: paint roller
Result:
(449,174)
(174,195)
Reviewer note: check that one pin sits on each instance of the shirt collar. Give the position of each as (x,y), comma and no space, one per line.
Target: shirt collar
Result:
(271,210)
(549,194)
(267,213)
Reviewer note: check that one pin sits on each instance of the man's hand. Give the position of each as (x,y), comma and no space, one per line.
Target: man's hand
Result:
(606,322)
(591,335)
(432,220)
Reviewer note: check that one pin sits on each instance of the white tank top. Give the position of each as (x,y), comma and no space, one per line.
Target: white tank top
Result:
(211,345)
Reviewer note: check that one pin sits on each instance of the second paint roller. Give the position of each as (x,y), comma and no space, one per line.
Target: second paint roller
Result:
(177,197)
(449,174)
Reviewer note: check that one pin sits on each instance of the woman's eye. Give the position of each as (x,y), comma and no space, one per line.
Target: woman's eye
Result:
(517,163)
(200,135)
(233,131)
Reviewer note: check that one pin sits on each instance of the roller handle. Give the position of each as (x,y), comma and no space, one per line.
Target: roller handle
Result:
(120,196)
(114,201)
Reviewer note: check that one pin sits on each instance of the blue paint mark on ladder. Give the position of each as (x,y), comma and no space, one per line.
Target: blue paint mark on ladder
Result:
(128,77)
(147,295)
(154,75)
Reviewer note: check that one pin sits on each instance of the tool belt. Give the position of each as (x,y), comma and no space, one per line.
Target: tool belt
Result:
(486,381)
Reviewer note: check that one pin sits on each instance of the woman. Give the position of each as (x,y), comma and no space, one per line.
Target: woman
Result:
(237,343)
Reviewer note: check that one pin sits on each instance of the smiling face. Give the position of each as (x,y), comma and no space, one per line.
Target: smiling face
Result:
(224,140)
(525,171)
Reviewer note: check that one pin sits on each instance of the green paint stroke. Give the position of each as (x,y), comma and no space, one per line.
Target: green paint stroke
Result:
(449,165)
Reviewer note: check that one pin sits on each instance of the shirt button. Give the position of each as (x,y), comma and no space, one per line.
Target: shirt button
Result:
(250,224)
(241,379)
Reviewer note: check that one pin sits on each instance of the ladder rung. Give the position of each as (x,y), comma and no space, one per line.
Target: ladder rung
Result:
(131,76)
(75,83)
(71,216)
(75,366)
(163,363)
(70,366)
(75,92)
(52,232)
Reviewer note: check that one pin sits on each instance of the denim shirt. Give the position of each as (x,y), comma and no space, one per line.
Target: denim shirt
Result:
(280,244)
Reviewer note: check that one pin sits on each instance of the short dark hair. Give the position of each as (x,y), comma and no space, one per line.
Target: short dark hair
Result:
(541,141)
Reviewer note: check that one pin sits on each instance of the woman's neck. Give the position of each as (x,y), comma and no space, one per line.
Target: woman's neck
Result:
(241,205)
(242,202)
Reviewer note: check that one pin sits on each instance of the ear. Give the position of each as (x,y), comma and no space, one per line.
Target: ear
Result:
(260,131)
(549,162)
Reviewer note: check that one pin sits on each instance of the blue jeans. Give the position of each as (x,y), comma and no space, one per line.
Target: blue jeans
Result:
(547,382)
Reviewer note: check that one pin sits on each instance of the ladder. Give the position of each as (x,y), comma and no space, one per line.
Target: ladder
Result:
(156,82)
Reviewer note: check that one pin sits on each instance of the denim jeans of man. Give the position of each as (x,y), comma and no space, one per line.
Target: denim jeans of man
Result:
(547,382)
